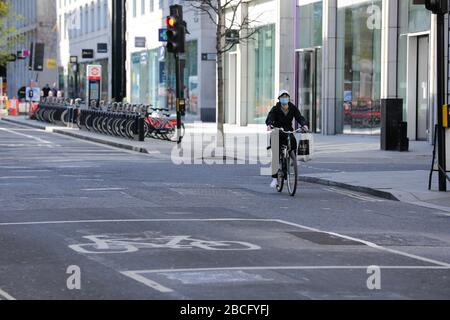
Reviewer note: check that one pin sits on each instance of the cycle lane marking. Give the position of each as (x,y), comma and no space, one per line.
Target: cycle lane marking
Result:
(367,243)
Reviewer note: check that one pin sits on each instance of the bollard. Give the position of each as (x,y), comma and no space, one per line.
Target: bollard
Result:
(141,128)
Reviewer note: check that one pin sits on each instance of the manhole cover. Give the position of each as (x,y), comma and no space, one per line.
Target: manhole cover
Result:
(325,239)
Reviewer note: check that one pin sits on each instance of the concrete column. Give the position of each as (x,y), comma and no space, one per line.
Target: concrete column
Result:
(329,35)
(284,47)
(389,36)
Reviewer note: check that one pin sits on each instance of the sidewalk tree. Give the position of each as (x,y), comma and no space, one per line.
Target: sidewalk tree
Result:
(8,34)
(229,23)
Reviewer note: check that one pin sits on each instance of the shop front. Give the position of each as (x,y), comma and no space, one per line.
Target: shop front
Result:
(153,78)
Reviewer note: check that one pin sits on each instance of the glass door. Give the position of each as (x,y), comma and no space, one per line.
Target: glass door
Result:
(309,83)
(423,111)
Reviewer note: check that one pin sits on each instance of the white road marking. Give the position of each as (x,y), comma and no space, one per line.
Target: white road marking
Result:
(137,274)
(147,282)
(19,177)
(290,268)
(370,244)
(27,136)
(6,295)
(103,189)
(367,243)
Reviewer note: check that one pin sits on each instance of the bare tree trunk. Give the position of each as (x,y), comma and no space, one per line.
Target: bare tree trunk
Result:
(220,42)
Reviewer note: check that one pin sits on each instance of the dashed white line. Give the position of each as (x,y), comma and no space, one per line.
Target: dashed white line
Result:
(19,177)
(103,189)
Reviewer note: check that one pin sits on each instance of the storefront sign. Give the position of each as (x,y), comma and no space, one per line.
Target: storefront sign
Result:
(94,72)
(102,47)
(209,56)
(51,63)
(87,54)
(139,42)
(135,57)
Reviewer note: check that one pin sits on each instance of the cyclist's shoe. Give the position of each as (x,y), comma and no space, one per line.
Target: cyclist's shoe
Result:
(274,183)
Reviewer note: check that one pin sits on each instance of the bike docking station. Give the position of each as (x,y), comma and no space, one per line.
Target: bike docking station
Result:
(93,83)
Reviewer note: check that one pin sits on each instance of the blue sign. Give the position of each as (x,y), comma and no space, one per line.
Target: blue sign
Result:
(162,35)
(348,96)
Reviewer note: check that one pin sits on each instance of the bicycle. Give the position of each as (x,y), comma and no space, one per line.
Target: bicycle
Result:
(288,168)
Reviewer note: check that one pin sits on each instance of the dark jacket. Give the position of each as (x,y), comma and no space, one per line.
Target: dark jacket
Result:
(278,119)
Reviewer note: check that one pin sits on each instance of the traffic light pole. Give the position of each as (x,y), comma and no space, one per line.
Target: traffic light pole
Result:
(440,102)
(179,94)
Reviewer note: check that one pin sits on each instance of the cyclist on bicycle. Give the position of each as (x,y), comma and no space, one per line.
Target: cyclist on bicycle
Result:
(282,116)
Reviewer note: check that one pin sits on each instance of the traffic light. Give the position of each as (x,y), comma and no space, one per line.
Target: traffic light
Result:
(176,30)
(435,6)
(36,54)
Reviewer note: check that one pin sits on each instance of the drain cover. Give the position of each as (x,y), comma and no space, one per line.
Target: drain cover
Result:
(325,239)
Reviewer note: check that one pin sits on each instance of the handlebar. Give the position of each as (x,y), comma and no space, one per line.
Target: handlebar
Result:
(295,131)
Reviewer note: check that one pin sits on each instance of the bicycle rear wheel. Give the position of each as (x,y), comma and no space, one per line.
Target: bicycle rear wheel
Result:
(292,174)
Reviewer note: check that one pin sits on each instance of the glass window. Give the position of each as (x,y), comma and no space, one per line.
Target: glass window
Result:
(134,8)
(153,78)
(359,65)
(143,7)
(261,70)
(309,31)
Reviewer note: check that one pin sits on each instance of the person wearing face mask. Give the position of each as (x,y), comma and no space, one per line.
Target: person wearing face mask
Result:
(282,116)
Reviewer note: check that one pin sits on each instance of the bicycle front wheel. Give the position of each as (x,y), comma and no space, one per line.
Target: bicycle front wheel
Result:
(281,176)
(292,174)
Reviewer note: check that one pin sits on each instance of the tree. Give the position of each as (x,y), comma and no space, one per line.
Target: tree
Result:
(8,34)
(225,16)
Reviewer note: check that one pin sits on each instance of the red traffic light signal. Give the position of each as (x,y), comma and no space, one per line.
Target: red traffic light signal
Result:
(171,22)
(176,33)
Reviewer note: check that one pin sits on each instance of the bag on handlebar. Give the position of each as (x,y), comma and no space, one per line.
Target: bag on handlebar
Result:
(304,147)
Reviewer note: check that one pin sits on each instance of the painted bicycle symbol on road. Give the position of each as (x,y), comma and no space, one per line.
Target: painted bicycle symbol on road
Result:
(117,244)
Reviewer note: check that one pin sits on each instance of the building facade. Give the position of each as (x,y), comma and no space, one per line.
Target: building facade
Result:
(351,54)
(262,63)
(151,70)
(83,26)
(36,23)
(339,58)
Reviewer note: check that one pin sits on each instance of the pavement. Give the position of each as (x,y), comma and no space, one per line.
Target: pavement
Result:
(353,162)
(133,225)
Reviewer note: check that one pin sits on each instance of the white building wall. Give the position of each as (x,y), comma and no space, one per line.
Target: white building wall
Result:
(79,29)
(200,29)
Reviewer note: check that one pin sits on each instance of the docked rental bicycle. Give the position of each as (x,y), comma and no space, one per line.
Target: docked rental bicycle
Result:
(288,168)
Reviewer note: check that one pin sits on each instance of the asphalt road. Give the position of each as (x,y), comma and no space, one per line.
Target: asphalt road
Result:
(136,226)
